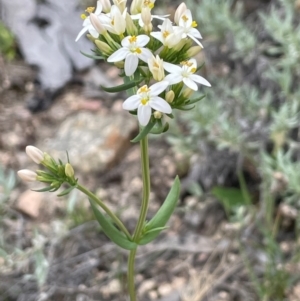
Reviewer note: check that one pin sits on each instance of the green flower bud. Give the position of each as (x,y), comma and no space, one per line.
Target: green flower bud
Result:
(193,51)
(69,171)
(157,115)
(170,96)
(103,47)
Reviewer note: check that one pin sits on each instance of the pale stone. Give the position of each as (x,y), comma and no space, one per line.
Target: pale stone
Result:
(30,203)
(165,289)
(94,141)
(146,286)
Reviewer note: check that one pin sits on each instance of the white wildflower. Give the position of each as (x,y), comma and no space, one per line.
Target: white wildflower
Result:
(186,74)
(147,99)
(132,50)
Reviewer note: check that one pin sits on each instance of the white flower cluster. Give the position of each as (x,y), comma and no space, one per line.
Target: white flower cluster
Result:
(166,56)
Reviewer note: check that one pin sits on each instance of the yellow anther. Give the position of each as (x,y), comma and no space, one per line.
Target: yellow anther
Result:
(83,16)
(132,39)
(186,63)
(90,9)
(185,18)
(149,4)
(155,64)
(112,22)
(144,101)
(194,24)
(144,89)
(138,50)
(193,70)
(165,34)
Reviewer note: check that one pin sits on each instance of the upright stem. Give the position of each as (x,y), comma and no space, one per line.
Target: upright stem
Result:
(143,214)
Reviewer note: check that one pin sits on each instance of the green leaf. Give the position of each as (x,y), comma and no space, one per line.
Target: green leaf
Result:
(123,87)
(111,231)
(49,188)
(160,219)
(66,191)
(91,56)
(159,128)
(229,197)
(144,132)
(192,101)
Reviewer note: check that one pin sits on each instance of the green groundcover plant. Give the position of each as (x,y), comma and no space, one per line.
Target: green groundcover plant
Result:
(159,73)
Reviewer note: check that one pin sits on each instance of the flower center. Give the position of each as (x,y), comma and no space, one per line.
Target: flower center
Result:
(185,18)
(165,33)
(90,9)
(143,89)
(132,39)
(144,100)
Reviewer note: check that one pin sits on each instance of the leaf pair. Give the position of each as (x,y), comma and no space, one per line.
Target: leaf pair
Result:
(151,230)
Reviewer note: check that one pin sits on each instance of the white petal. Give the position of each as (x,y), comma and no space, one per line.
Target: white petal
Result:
(145,54)
(171,68)
(132,102)
(199,79)
(197,41)
(159,87)
(94,32)
(98,8)
(160,105)
(195,32)
(142,40)
(81,33)
(192,85)
(119,55)
(125,42)
(144,114)
(131,63)
(158,36)
(173,78)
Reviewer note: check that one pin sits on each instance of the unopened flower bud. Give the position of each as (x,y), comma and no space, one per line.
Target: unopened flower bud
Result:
(97,24)
(121,4)
(35,154)
(157,115)
(193,51)
(179,12)
(69,171)
(119,64)
(103,47)
(106,5)
(146,18)
(27,175)
(187,93)
(130,26)
(170,96)
(156,68)
(136,7)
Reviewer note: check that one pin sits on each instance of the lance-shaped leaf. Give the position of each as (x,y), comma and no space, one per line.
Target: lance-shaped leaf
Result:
(48,188)
(66,191)
(91,56)
(160,127)
(160,219)
(122,87)
(192,101)
(111,231)
(144,132)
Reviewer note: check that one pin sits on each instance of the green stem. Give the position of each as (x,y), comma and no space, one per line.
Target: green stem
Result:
(146,188)
(130,271)
(106,209)
(143,214)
